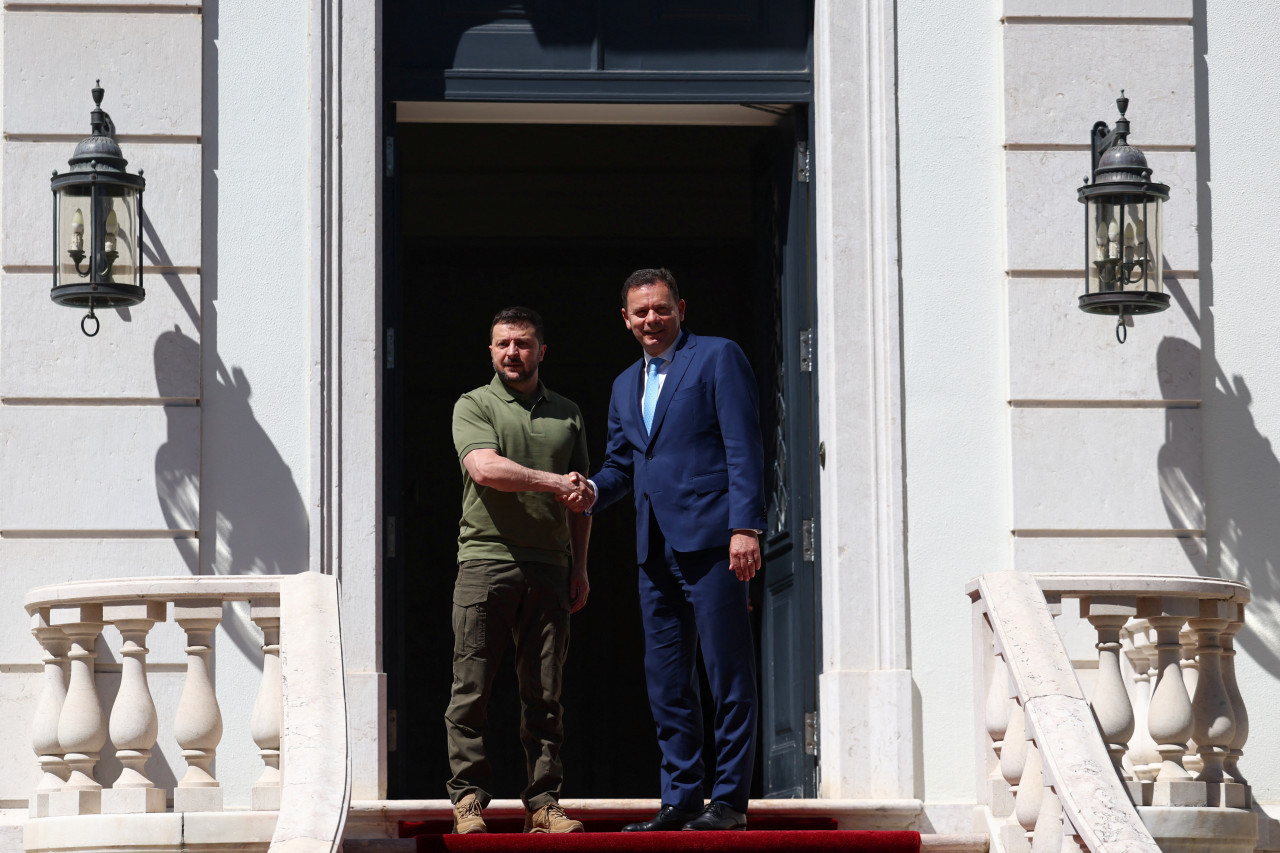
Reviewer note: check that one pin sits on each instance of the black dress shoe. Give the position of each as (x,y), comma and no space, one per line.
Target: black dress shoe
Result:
(718,816)
(667,818)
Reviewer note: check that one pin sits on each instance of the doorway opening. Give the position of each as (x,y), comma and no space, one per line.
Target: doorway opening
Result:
(554,217)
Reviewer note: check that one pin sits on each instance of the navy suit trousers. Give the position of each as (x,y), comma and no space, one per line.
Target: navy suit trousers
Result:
(689,599)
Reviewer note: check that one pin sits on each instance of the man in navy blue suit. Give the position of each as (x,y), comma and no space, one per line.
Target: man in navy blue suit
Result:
(684,440)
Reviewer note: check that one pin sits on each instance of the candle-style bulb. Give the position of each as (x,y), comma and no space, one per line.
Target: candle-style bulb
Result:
(77,231)
(112,227)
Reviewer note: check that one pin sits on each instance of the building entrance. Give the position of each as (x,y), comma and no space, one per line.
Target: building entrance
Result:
(554,217)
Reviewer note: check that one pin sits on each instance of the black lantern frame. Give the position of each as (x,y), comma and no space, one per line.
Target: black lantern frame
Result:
(1124,228)
(97,225)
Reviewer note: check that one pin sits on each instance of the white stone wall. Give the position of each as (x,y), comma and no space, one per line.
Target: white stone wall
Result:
(101,437)
(177,441)
(1238,155)
(954,339)
(1063,450)
(1106,438)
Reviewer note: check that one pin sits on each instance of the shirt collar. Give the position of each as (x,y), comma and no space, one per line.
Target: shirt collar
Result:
(665,355)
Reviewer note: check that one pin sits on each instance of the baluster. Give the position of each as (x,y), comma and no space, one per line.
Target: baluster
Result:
(1047,837)
(1142,749)
(1111,707)
(1215,724)
(997,721)
(82,728)
(1170,719)
(1191,677)
(1241,713)
(198,724)
(267,709)
(133,717)
(1030,791)
(1013,762)
(44,737)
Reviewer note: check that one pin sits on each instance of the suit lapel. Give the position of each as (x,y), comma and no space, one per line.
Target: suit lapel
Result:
(679,364)
(634,414)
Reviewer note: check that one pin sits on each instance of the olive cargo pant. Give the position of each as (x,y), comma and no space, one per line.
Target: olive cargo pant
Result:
(526,604)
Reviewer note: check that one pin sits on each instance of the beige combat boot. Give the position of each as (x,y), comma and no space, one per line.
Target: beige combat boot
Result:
(467,816)
(550,818)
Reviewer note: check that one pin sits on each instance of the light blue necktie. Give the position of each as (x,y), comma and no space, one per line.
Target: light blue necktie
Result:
(651,389)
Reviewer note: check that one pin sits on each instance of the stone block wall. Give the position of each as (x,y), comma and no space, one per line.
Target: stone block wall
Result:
(100,438)
(1106,439)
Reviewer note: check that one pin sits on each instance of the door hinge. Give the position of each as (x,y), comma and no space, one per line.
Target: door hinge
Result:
(391,730)
(389,157)
(811,733)
(802,162)
(389,537)
(391,349)
(806,350)
(806,540)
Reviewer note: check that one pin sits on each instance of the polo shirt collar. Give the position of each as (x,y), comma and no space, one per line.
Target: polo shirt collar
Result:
(503,392)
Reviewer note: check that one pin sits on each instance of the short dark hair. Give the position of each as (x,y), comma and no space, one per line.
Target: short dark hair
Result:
(519,315)
(643,278)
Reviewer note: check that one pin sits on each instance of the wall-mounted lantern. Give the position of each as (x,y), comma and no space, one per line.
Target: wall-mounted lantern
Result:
(97,225)
(1124,228)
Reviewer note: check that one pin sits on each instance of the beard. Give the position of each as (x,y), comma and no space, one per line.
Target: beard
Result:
(523,373)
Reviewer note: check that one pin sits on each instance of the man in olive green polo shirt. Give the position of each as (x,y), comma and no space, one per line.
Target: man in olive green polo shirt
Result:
(522,568)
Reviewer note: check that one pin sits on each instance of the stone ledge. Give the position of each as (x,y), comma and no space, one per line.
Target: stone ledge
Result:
(234,830)
(380,818)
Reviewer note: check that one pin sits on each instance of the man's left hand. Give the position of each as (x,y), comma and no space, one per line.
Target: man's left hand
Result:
(744,554)
(579,589)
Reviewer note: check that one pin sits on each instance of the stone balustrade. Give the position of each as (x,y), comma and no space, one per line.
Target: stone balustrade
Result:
(74,808)
(1152,760)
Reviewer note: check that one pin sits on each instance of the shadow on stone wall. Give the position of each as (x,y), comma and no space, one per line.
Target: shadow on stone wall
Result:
(1242,528)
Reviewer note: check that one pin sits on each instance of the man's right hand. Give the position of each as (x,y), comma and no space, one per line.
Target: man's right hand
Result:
(577,493)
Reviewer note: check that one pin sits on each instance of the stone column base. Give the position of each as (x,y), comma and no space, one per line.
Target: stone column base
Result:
(1201,830)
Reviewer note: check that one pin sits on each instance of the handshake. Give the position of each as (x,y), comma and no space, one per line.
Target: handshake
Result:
(575,492)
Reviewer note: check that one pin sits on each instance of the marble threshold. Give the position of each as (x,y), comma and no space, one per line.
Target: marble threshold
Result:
(381,818)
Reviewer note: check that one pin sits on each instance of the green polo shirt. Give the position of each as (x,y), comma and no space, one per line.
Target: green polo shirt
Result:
(543,431)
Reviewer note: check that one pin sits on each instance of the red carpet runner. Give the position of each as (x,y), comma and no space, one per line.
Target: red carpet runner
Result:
(755,840)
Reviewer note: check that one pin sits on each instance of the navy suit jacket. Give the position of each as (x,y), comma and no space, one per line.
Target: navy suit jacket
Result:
(701,469)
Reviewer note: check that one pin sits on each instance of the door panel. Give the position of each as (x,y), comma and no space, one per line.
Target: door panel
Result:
(788,642)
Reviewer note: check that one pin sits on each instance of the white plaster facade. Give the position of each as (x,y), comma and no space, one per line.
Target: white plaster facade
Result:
(974,419)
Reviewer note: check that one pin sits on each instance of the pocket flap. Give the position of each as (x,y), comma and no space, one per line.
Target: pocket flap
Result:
(705,484)
(469,595)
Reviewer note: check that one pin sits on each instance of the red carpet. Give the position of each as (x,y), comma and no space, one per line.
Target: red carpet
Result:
(778,841)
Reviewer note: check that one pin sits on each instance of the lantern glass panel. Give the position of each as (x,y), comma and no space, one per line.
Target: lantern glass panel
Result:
(1125,237)
(121,235)
(75,234)
(97,234)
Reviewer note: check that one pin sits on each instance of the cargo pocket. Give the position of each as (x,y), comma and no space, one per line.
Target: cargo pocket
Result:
(469,608)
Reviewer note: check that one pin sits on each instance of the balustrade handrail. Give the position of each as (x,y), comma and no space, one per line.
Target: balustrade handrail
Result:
(1057,585)
(227,588)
